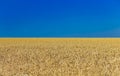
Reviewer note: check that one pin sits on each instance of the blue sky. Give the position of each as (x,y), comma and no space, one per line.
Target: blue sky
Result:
(59,18)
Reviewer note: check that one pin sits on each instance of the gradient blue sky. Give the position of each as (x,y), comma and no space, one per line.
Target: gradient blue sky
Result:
(59,18)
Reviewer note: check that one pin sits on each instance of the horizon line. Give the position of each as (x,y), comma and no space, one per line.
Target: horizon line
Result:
(55,37)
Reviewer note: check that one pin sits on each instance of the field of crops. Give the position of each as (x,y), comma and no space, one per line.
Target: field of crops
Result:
(60,57)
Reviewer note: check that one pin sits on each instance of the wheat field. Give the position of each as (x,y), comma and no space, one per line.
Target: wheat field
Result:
(60,57)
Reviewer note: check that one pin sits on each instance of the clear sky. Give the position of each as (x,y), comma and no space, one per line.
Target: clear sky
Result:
(59,18)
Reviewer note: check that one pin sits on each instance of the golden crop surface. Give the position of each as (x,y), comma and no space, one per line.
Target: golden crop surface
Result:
(60,57)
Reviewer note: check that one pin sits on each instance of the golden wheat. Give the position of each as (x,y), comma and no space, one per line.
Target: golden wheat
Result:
(60,57)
